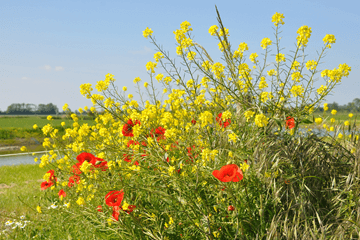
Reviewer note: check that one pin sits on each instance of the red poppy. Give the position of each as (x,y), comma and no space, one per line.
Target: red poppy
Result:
(100,163)
(116,212)
(99,208)
(46,184)
(159,133)
(231,208)
(114,198)
(130,209)
(82,157)
(127,130)
(190,154)
(62,193)
(220,121)
(228,173)
(193,122)
(290,122)
(72,180)
(76,168)
(52,177)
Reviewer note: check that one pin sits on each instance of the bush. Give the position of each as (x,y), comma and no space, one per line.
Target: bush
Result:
(223,157)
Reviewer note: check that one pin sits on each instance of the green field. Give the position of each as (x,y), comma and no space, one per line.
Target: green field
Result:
(19,191)
(29,121)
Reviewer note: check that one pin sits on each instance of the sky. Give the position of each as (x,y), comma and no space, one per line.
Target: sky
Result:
(49,48)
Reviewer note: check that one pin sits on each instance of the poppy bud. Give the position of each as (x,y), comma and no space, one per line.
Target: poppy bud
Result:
(231,208)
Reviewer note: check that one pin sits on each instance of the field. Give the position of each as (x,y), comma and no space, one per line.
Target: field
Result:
(18,131)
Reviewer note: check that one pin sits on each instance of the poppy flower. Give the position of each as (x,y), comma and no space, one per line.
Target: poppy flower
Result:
(290,123)
(116,212)
(100,163)
(114,198)
(99,208)
(62,193)
(52,177)
(72,180)
(130,209)
(228,173)
(193,122)
(220,121)
(82,157)
(76,168)
(231,208)
(46,184)
(127,130)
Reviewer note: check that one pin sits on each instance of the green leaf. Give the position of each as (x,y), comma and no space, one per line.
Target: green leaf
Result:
(307,121)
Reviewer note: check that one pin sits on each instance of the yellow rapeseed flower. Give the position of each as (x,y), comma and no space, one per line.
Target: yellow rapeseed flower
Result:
(329,39)
(23,149)
(351,115)
(346,123)
(35,126)
(265,42)
(277,18)
(261,120)
(147,32)
(333,112)
(318,120)
(213,29)
(280,57)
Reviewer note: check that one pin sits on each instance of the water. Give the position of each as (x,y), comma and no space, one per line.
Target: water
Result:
(15,159)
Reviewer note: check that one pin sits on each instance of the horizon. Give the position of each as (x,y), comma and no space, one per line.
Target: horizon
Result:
(48,49)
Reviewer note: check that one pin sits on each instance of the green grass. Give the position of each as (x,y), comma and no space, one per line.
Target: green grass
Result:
(28,122)
(19,182)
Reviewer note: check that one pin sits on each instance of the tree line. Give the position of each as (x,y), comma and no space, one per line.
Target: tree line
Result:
(33,109)
(353,106)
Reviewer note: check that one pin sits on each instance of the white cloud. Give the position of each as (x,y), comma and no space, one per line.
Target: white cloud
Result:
(24,78)
(59,68)
(47,67)
(145,50)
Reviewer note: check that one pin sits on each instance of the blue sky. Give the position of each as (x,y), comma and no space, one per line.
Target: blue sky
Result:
(49,48)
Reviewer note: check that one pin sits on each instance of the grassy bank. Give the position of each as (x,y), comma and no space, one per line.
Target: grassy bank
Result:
(19,191)
(18,131)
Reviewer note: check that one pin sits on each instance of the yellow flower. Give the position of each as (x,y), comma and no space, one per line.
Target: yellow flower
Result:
(297,91)
(212,30)
(124,89)
(35,126)
(261,120)
(253,57)
(49,118)
(346,123)
(265,42)
(62,123)
(263,83)
(80,200)
(248,114)
(130,96)
(65,107)
(332,120)
(304,35)
(191,55)
(332,129)
(333,112)
(23,149)
(295,76)
(151,66)
(311,65)
(295,65)
(146,84)
(318,120)
(329,39)
(321,90)
(278,18)
(272,72)
(158,56)
(350,115)
(280,57)
(147,32)
(136,80)
(340,136)
(38,208)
